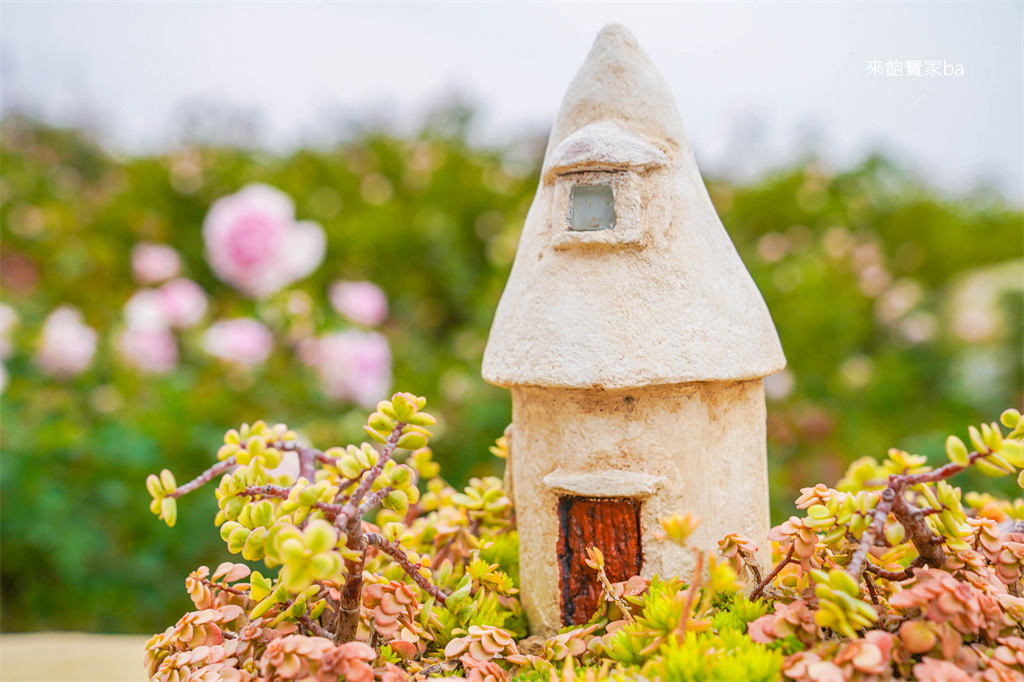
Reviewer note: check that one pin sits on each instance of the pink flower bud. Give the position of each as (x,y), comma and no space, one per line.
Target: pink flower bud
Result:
(154,263)
(242,341)
(68,344)
(361,302)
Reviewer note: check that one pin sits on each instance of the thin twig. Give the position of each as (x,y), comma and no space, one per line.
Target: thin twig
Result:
(751,563)
(940,474)
(226,588)
(313,627)
(341,497)
(927,543)
(204,478)
(771,576)
(874,530)
(307,463)
(895,576)
(331,511)
(395,551)
(871,590)
(443,666)
(324,458)
(373,500)
(266,491)
(609,592)
(351,509)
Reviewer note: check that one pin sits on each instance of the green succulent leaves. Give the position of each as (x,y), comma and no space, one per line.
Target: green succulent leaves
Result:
(258,441)
(308,555)
(840,606)
(402,411)
(160,487)
(957,451)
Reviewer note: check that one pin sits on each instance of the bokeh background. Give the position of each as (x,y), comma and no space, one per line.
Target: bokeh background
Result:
(880,217)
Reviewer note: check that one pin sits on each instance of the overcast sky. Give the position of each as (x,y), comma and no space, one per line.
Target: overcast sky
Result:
(756,83)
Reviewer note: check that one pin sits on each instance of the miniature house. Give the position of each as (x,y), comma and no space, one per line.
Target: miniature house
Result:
(633,341)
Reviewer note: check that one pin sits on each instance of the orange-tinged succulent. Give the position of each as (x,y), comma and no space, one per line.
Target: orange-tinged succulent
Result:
(392,609)
(317,659)
(787,619)
(1010,652)
(253,638)
(289,658)
(819,494)
(942,598)
(734,548)
(393,605)
(805,539)
(808,666)
(483,671)
(1010,561)
(864,657)
(351,661)
(482,643)
(210,592)
(937,670)
(987,536)
(918,636)
(198,628)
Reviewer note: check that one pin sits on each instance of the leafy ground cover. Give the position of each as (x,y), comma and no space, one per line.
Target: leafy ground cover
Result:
(892,574)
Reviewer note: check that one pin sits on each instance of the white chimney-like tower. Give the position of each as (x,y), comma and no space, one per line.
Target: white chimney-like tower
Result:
(634,341)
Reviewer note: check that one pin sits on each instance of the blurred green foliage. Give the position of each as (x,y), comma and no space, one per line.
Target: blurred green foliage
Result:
(899,311)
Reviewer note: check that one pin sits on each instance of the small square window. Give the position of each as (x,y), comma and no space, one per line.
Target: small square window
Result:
(596,210)
(592,208)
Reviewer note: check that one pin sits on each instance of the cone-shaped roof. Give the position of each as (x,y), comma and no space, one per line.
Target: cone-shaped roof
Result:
(670,302)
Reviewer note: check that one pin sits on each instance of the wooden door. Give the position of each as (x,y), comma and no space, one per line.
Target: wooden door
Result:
(610,524)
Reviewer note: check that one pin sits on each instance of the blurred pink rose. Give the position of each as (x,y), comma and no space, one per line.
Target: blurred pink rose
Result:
(243,341)
(154,263)
(254,243)
(183,303)
(361,302)
(145,310)
(68,344)
(8,323)
(151,350)
(178,304)
(352,365)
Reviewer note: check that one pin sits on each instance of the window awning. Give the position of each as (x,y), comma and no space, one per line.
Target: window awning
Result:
(603,146)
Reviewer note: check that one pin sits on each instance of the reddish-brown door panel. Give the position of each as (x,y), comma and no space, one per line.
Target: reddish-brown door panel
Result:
(610,524)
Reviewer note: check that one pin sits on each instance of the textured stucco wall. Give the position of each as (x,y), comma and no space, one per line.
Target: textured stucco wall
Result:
(697,447)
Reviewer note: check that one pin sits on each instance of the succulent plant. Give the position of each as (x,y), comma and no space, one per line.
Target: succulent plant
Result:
(893,574)
(482,643)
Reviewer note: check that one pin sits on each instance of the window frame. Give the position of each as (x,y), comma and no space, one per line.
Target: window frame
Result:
(627,231)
